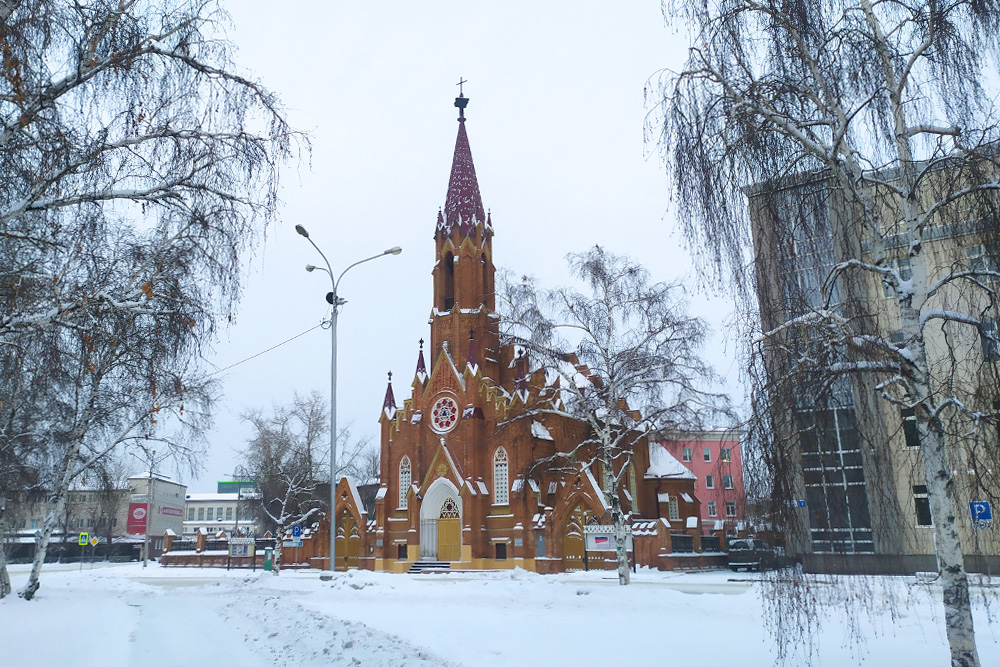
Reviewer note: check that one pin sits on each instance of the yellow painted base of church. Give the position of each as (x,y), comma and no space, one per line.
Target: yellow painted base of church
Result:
(401,566)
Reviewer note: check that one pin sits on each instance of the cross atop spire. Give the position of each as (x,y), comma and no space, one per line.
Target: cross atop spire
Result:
(461,101)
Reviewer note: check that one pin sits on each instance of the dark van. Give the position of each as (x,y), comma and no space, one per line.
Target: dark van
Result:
(750,553)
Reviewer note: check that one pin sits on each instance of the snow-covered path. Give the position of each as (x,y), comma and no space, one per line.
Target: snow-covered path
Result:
(123,616)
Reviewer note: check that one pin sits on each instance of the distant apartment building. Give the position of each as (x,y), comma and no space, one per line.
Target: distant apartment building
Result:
(715,459)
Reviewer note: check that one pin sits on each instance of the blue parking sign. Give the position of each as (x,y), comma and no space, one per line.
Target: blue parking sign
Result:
(296,531)
(981,510)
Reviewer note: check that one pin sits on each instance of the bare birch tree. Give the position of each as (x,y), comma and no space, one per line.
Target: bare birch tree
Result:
(287,457)
(863,134)
(281,459)
(137,168)
(622,357)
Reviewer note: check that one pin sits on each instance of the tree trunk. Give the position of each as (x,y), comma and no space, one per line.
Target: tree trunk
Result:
(42,546)
(618,521)
(279,534)
(954,582)
(4,576)
(940,491)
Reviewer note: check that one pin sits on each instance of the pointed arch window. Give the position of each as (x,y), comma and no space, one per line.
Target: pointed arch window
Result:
(404,480)
(501,486)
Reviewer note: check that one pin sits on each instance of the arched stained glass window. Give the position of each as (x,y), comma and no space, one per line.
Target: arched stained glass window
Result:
(404,481)
(501,486)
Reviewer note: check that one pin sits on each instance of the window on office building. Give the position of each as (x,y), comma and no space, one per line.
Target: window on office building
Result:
(209,513)
(730,508)
(708,455)
(229,514)
(201,514)
(727,481)
(910,433)
(922,505)
(725,454)
(712,511)
(709,481)
(190,514)
(687,455)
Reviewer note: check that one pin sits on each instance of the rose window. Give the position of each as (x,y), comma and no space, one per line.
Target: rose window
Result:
(444,415)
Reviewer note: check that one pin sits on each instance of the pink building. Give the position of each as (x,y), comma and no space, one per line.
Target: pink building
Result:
(714,458)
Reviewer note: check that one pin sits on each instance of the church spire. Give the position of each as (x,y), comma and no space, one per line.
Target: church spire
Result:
(389,404)
(421,366)
(463,205)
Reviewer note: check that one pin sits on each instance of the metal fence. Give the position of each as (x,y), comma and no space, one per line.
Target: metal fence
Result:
(183,545)
(682,544)
(710,543)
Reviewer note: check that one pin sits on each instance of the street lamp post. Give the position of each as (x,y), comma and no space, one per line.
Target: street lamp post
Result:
(336,302)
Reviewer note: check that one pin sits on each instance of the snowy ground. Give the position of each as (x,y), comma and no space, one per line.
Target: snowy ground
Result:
(118,615)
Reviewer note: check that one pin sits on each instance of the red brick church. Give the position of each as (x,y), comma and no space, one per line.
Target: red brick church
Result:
(458,487)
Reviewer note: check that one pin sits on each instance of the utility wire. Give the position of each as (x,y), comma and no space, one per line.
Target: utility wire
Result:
(273,347)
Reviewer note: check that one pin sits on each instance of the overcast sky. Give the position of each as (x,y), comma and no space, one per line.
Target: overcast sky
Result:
(555,125)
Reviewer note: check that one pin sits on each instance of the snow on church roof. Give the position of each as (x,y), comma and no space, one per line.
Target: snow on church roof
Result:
(539,431)
(663,464)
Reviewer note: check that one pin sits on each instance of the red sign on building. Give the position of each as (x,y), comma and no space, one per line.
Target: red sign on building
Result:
(136,519)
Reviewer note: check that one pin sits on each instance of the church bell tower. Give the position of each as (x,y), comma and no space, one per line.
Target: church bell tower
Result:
(463,317)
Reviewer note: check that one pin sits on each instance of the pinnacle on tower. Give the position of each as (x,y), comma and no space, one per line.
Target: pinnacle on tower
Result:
(389,404)
(471,359)
(421,366)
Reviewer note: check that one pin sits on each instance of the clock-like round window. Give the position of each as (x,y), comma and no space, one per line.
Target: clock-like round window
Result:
(444,414)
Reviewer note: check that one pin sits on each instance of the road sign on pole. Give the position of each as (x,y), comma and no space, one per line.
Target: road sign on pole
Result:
(296,531)
(84,539)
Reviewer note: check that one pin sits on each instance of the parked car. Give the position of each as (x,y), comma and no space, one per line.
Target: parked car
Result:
(751,553)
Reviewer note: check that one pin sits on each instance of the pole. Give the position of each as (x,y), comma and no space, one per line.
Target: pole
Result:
(149,511)
(333,430)
(336,303)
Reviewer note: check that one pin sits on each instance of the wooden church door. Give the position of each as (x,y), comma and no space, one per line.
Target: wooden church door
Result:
(573,540)
(348,542)
(449,537)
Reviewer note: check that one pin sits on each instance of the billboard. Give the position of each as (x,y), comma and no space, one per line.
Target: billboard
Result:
(136,519)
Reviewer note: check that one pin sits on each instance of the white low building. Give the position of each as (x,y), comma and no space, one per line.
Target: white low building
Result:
(215,512)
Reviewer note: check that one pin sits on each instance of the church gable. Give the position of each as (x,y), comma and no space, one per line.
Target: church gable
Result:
(442,465)
(446,375)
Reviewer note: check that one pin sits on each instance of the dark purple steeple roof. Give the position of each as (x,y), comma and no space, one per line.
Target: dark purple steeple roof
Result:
(389,404)
(463,205)
(421,366)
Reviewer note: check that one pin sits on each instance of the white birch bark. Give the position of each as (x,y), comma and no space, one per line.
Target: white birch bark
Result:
(618,521)
(4,575)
